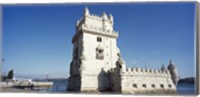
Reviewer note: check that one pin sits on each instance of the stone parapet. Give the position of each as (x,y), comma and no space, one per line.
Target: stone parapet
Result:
(145,71)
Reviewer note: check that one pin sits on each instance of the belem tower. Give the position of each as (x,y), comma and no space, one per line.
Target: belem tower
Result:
(98,66)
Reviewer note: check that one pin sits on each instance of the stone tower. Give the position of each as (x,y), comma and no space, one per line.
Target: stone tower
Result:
(173,71)
(95,52)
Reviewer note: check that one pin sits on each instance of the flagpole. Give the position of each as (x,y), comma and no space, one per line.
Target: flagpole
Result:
(2,60)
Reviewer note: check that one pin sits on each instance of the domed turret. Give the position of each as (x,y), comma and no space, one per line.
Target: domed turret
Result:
(173,71)
(120,61)
(171,66)
(121,64)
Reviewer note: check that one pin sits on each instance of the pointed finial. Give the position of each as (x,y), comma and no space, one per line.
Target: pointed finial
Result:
(104,13)
(77,22)
(163,67)
(170,61)
(110,17)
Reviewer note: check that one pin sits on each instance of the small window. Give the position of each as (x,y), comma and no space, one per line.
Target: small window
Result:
(120,66)
(118,54)
(99,39)
(170,86)
(135,85)
(162,86)
(144,85)
(153,86)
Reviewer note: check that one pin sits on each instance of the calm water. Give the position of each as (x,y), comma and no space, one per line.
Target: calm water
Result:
(186,89)
(61,86)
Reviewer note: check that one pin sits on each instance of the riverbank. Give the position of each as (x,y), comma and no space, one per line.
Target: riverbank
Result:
(17,90)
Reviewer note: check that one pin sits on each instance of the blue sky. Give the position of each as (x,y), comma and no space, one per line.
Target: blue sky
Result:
(37,38)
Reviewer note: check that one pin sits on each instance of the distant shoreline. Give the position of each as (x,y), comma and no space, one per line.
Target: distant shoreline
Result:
(188,80)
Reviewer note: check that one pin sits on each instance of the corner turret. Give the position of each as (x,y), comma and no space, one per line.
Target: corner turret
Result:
(86,11)
(104,15)
(163,68)
(120,64)
(173,71)
(110,17)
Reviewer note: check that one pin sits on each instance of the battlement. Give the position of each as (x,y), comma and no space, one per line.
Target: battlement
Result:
(146,71)
(104,21)
(143,71)
(103,17)
(95,24)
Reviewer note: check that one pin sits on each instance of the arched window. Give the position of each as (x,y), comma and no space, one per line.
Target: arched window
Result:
(99,53)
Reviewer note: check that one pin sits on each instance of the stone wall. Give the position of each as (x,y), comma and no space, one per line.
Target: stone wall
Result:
(141,80)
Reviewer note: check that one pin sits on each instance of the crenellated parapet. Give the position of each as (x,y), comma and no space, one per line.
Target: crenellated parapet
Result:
(87,15)
(145,71)
(142,71)
(95,24)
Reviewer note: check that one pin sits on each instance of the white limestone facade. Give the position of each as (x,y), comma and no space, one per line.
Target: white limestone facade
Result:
(142,80)
(98,66)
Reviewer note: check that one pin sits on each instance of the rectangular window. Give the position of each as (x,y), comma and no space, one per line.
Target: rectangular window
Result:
(144,85)
(161,85)
(135,85)
(153,86)
(99,39)
(170,86)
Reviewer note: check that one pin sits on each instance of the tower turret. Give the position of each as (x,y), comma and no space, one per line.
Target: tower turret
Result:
(111,17)
(104,15)
(173,71)
(121,66)
(86,11)
(163,68)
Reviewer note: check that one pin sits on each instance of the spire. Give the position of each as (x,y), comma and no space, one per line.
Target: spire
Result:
(170,61)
